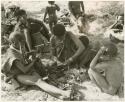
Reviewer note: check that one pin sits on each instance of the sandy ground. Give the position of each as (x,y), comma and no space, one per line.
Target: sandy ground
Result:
(91,92)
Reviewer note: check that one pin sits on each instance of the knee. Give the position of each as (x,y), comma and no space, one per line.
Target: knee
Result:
(111,91)
(36,77)
(20,78)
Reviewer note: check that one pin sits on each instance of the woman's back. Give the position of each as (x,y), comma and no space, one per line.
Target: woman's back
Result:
(114,73)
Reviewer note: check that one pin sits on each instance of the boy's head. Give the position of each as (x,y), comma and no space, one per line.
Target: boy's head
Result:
(51,2)
(59,30)
(111,51)
(17,39)
(21,15)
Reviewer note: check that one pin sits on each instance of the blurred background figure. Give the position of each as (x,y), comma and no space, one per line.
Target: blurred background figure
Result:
(76,8)
(51,12)
(78,13)
(115,31)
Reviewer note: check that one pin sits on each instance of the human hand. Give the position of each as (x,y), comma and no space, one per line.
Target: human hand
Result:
(55,5)
(44,20)
(102,50)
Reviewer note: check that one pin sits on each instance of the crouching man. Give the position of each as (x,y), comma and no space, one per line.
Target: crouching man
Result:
(111,67)
(24,74)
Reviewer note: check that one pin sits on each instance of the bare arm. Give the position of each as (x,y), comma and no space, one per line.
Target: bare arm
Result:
(45,15)
(23,68)
(112,26)
(79,45)
(53,51)
(33,20)
(39,22)
(28,38)
(101,67)
(94,65)
(70,6)
(82,5)
(57,7)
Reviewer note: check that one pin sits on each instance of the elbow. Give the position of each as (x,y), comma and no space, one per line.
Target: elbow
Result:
(92,66)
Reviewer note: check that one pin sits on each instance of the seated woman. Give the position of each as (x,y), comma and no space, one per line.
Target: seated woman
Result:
(108,73)
(66,47)
(69,49)
(21,73)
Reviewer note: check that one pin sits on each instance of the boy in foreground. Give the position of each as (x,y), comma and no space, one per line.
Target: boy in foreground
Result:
(34,30)
(111,66)
(24,74)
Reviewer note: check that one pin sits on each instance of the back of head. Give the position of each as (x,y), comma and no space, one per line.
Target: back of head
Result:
(111,49)
(16,37)
(59,30)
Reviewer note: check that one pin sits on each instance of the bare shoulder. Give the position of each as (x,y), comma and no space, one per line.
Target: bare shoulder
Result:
(117,64)
(70,34)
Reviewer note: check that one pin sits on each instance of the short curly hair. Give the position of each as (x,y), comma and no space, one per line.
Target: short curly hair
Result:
(59,30)
(15,37)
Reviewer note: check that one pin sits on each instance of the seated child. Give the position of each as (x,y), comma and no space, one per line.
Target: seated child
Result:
(15,68)
(110,65)
(34,30)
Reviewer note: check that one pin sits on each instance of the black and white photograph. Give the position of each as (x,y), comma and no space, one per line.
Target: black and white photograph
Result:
(62,50)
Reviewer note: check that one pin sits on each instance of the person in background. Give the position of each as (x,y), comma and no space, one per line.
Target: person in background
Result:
(9,19)
(106,69)
(117,30)
(78,14)
(21,73)
(118,25)
(76,8)
(51,12)
(10,12)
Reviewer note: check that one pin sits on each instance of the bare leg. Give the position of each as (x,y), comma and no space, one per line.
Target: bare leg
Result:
(51,27)
(28,79)
(35,80)
(101,82)
(28,39)
(53,90)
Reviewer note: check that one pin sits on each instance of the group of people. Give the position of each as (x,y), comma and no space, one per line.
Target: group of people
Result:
(103,66)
